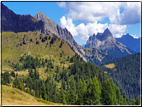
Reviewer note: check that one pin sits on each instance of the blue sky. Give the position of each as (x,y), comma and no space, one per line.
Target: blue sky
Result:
(83,19)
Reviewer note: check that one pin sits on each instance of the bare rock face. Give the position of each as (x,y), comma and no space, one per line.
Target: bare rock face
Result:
(107,43)
(97,56)
(19,23)
(40,22)
(64,34)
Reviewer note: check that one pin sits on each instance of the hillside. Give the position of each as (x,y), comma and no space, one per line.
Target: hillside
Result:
(12,22)
(34,44)
(13,96)
(131,42)
(46,67)
(126,74)
(42,59)
(98,56)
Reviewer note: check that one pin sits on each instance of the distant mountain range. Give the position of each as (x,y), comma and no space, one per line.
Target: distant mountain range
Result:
(104,47)
(131,42)
(109,48)
(107,43)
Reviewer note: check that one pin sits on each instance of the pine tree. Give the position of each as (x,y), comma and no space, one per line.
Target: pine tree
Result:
(62,96)
(63,84)
(109,93)
(88,95)
(137,101)
(96,91)
(81,92)
(72,91)
(119,96)
(43,92)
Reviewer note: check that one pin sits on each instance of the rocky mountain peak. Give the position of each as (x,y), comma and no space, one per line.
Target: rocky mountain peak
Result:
(40,15)
(107,43)
(127,36)
(107,33)
(103,36)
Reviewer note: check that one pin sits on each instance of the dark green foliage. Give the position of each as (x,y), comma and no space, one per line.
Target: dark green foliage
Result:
(37,42)
(126,75)
(81,83)
(62,97)
(137,101)
(13,74)
(72,91)
(43,92)
(52,40)
(18,84)
(24,41)
(108,92)
(51,89)
(28,62)
(63,86)
(81,91)
(61,44)
(6,79)
(44,39)
(93,93)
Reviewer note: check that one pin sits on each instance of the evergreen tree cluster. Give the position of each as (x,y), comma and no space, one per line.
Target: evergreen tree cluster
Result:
(126,75)
(82,83)
(29,62)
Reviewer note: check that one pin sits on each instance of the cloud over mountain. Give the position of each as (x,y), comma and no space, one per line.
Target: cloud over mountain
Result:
(119,14)
(84,31)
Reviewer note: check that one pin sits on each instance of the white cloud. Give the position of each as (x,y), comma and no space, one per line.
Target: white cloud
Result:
(84,31)
(117,30)
(131,14)
(134,36)
(67,23)
(97,11)
(61,4)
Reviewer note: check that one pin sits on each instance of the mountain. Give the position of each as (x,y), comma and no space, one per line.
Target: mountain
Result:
(35,44)
(24,23)
(46,67)
(107,43)
(19,23)
(126,74)
(64,34)
(131,42)
(43,64)
(98,57)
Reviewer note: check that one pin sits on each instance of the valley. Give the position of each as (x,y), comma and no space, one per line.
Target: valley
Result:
(42,62)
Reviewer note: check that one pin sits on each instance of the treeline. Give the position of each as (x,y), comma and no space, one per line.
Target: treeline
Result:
(29,62)
(126,75)
(81,83)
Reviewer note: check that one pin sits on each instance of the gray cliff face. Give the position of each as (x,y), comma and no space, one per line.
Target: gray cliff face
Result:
(19,23)
(98,56)
(51,27)
(12,22)
(107,43)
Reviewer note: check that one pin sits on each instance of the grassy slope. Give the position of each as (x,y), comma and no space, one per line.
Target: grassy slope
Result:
(13,96)
(111,66)
(11,49)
